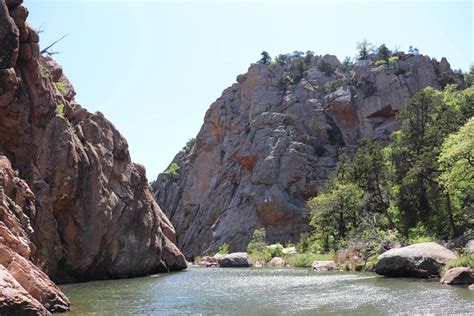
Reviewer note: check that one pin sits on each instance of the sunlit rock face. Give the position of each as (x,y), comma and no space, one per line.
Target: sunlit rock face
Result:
(268,144)
(80,208)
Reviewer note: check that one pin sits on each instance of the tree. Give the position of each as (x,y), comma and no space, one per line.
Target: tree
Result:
(469,76)
(266,59)
(426,121)
(457,176)
(363,47)
(257,244)
(369,171)
(334,213)
(383,53)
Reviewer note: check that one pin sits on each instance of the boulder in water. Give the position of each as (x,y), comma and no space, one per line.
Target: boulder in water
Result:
(235,260)
(459,275)
(418,260)
(323,265)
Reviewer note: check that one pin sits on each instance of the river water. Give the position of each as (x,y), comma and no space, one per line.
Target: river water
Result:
(265,291)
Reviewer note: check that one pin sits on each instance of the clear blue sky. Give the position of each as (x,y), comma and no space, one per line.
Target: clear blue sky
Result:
(154,67)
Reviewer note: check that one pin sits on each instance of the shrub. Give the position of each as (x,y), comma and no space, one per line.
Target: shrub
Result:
(331,86)
(399,72)
(463,261)
(325,67)
(257,245)
(380,62)
(223,249)
(266,59)
(60,109)
(173,170)
(60,88)
(418,234)
(189,145)
(393,59)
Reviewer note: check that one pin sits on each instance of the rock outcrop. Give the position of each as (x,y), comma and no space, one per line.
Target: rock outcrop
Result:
(419,260)
(460,275)
(323,265)
(271,140)
(73,206)
(234,260)
(277,262)
(14,300)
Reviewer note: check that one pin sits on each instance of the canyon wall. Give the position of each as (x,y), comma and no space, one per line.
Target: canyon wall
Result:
(273,137)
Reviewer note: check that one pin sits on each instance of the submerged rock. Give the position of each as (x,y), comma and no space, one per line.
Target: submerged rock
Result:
(418,260)
(460,275)
(235,260)
(323,265)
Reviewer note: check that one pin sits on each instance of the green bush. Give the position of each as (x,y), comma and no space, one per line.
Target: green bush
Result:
(223,249)
(380,62)
(306,259)
(418,234)
(463,261)
(189,145)
(325,67)
(60,87)
(393,59)
(331,86)
(173,170)
(257,245)
(60,109)
(399,72)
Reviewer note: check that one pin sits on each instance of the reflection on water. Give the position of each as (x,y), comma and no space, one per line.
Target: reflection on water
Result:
(267,292)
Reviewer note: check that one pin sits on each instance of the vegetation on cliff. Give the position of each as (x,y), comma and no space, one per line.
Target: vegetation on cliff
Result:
(419,187)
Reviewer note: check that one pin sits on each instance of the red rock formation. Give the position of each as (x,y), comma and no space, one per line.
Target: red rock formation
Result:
(76,206)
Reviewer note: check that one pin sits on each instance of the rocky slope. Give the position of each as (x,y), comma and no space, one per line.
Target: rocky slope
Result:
(270,141)
(74,206)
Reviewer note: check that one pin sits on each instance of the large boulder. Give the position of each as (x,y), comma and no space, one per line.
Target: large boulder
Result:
(470,246)
(323,265)
(459,275)
(277,262)
(418,260)
(235,260)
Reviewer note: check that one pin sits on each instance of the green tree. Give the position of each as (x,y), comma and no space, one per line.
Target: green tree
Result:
(429,117)
(266,59)
(257,245)
(334,213)
(363,48)
(369,171)
(383,53)
(457,176)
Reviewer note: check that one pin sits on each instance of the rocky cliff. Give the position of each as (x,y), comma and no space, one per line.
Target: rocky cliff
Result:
(270,141)
(73,206)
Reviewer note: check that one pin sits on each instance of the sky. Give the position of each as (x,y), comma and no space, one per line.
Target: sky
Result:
(154,67)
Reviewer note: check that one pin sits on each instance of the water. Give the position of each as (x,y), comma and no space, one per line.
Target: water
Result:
(262,291)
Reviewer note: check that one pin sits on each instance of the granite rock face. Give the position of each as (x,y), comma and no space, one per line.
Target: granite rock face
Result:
(270,141)
(85,210)
(17,250)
